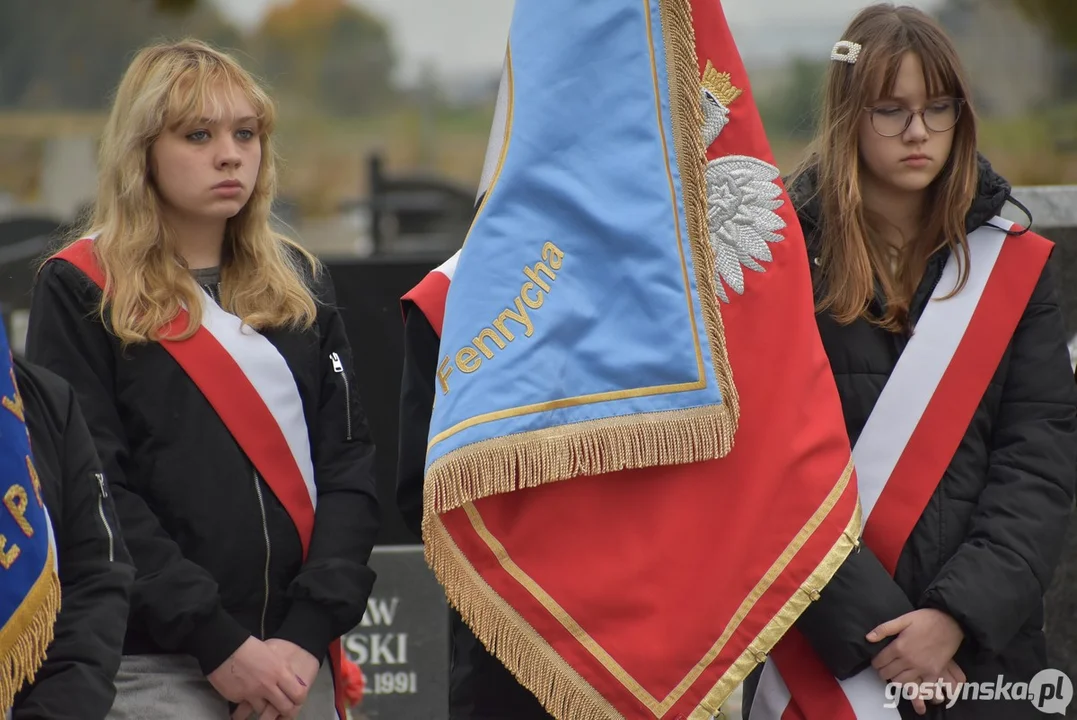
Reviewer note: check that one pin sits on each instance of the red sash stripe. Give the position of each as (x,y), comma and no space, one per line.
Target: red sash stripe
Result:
(234,399)
(815,693)
(246,416)
(430,294)
(947,416)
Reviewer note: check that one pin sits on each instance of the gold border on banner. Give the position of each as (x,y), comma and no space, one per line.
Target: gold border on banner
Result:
(560,688)
(611,444)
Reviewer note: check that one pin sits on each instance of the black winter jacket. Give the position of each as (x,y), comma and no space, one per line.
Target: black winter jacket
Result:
(218,557)
(987,543)
(96,574)
(480,687)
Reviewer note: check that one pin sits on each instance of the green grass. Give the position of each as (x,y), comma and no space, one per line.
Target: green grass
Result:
(1036,149)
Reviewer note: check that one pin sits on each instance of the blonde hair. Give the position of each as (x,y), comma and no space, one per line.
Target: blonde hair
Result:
(851,260)
(147,283)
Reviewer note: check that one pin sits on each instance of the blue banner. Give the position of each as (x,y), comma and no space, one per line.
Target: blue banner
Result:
(581,331)
(29,588)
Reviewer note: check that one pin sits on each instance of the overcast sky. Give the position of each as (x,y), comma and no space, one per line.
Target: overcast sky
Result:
(467,36)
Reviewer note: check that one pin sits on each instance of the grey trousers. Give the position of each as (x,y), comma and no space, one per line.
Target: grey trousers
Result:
(172,687)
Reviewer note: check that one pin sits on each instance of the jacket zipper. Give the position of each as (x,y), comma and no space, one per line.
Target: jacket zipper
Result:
(265,532)
(338,367)
(104,521)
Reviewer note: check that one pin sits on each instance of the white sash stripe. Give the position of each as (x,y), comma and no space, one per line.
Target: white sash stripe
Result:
(921,366)
(887,432)
(272,379)
(448,267)
(771,695)
(866,693)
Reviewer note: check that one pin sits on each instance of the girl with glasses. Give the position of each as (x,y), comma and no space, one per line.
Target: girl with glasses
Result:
(942,324)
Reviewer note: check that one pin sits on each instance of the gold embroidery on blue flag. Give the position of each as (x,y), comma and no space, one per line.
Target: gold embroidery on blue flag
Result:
(504,463)
(699,109)
(14,404)
(15,500)
(467,358)
(8,555)
(31,601)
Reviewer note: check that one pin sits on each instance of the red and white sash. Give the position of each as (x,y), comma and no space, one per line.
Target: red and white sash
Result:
(907,444)
(431,292)
(250,386)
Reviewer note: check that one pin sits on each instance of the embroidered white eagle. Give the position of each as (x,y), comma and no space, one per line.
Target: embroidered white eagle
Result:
(742,196)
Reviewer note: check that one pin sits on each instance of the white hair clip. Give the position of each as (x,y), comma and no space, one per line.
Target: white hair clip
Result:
(846,51)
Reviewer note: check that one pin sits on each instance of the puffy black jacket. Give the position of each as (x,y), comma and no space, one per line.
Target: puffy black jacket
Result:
(987,543)
(218,557)
(96,574)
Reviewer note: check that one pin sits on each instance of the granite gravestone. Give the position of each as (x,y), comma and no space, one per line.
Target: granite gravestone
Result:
(402,643)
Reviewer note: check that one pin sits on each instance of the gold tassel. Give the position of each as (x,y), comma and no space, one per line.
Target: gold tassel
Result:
(506,635)
(560,689)
(684,91)
(785,618)
(529,460)
(27,636)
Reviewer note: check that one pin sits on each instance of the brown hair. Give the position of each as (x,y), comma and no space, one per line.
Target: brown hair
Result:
(850,259)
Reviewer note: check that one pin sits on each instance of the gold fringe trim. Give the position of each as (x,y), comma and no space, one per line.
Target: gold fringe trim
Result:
(25,640)
(769,636)
(527,460)
(560,689)
(684,89)
(679,437)
(792,551)
(510,638)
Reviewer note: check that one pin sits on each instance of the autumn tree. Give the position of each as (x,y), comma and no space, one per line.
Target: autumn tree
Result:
(331,51)
(60,54)
(1057,17)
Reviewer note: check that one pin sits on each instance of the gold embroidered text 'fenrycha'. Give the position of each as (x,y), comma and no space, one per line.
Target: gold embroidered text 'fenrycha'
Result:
(532,295)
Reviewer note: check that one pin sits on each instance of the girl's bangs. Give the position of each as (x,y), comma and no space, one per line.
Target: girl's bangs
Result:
(210,93)
(940,74)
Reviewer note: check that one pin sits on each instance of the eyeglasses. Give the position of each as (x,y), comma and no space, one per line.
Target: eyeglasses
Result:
(891,120)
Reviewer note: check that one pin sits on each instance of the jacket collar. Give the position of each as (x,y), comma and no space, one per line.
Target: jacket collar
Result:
(992,194)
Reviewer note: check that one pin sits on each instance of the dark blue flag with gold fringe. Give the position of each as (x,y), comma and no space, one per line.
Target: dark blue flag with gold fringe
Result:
(29,585)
